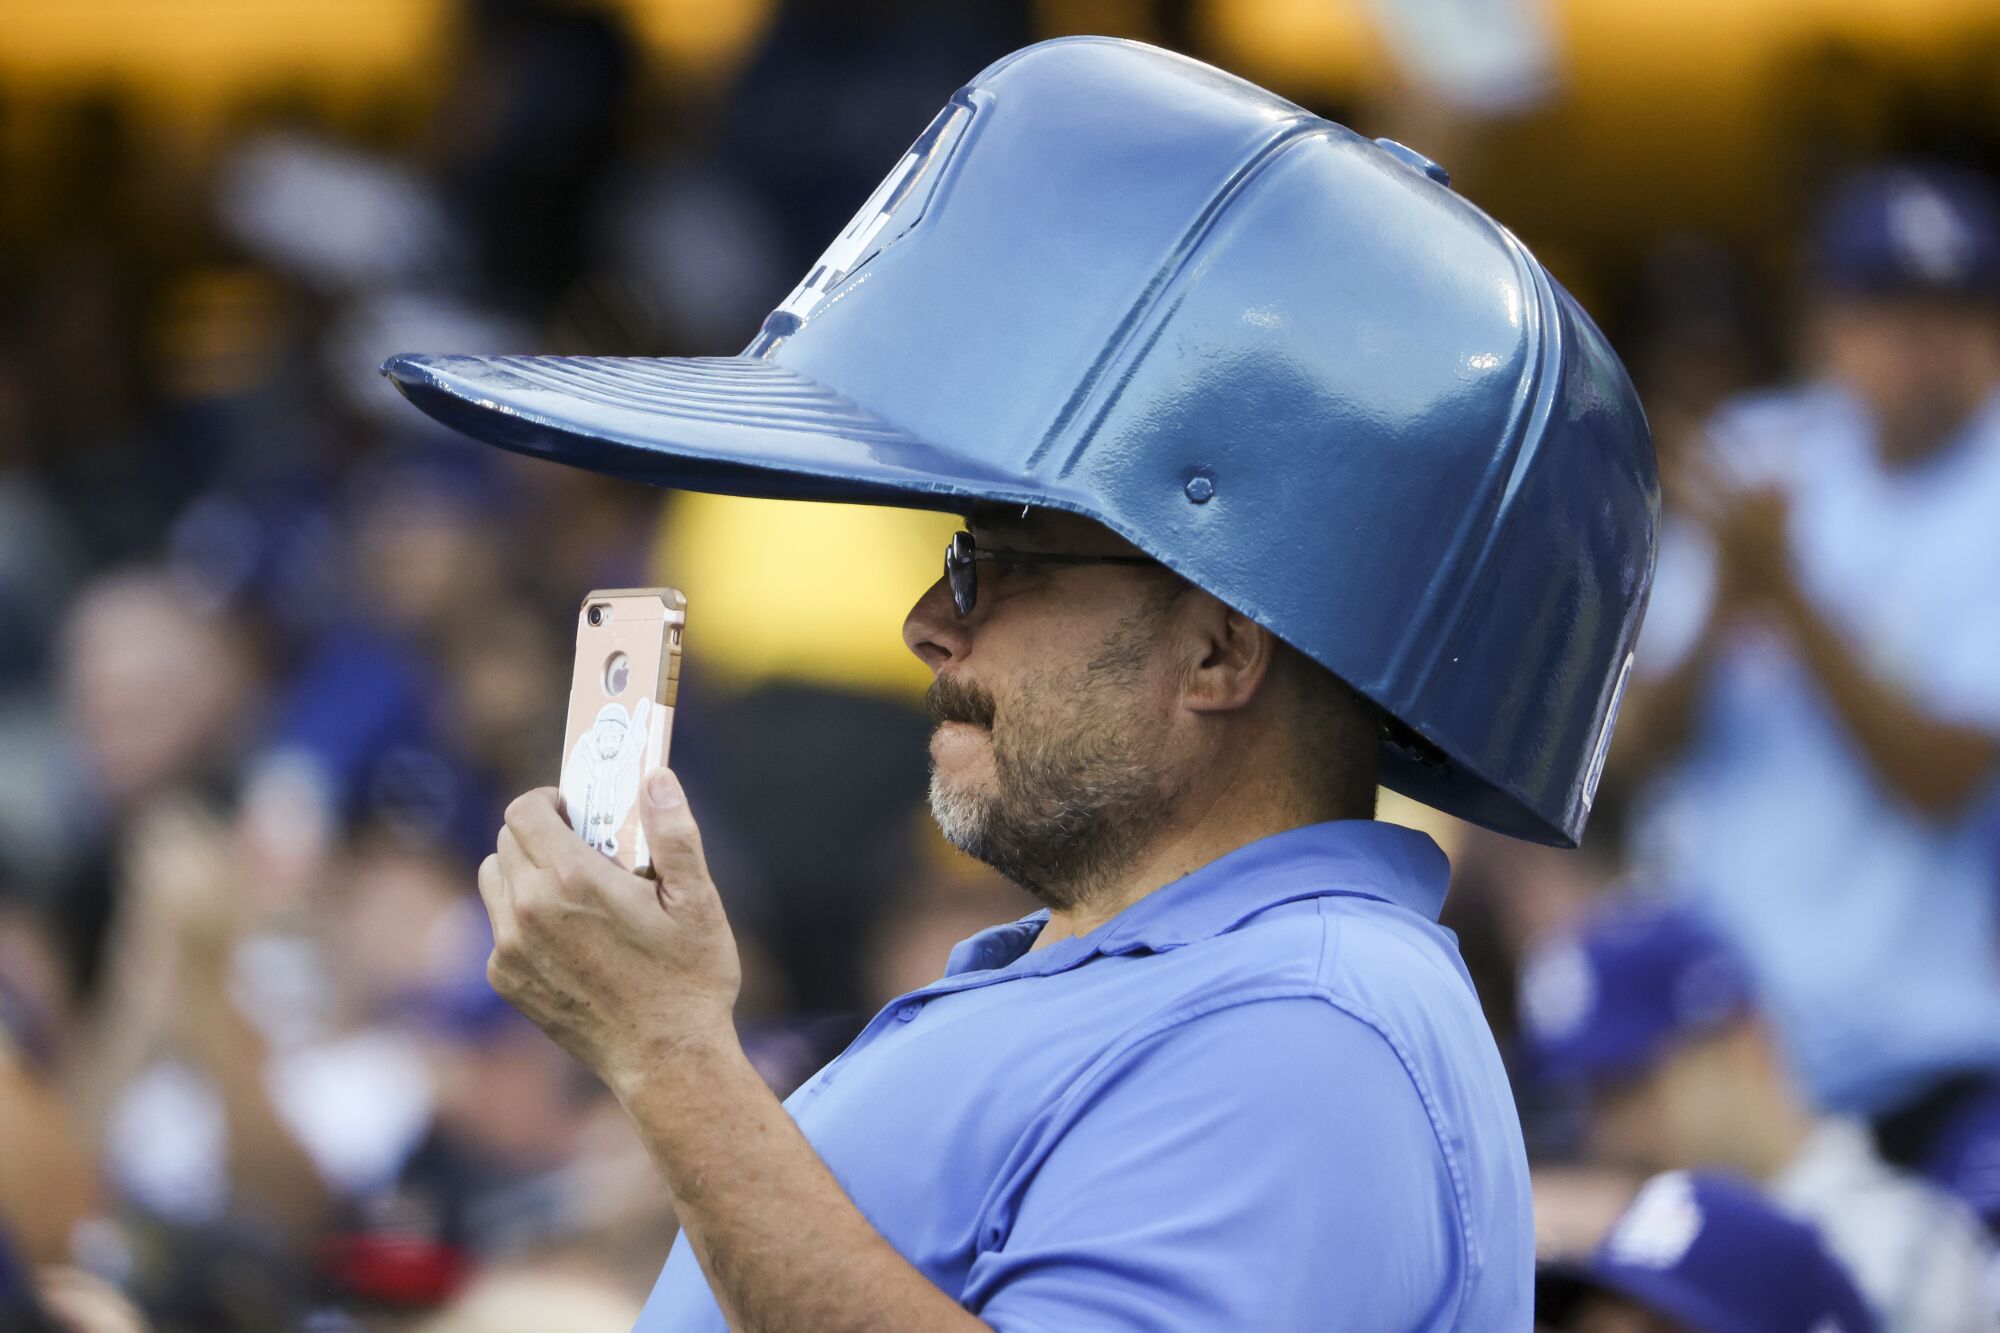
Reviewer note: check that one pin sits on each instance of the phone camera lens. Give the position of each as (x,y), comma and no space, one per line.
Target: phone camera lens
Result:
(595,615)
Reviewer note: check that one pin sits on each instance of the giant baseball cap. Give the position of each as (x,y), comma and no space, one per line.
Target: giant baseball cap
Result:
(1608,999)
(1707,1251)
(1285,361)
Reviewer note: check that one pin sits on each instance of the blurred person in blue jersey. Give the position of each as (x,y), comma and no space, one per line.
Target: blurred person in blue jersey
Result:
(1651,1014)
(1826,627)
(1701,1253)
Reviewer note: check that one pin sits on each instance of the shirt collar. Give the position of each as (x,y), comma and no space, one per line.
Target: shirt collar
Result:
(1361,857)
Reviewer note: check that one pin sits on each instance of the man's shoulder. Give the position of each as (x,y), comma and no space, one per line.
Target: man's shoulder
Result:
(1355,1017)
(1353,947)
(1358,960)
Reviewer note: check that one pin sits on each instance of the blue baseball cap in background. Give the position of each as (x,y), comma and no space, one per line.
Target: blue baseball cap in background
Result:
(1608,1000)
(1709,1252)
(1910,229)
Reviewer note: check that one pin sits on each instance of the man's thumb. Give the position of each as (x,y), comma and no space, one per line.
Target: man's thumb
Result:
(672,840)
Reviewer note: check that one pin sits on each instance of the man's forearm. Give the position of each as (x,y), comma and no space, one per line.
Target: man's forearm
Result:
(1935,765)
(782,1245)
(268,1166)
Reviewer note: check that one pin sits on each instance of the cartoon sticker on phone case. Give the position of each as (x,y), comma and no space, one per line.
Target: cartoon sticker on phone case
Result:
(600,782)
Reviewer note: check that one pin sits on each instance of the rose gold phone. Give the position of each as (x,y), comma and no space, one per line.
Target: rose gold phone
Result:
(621,713)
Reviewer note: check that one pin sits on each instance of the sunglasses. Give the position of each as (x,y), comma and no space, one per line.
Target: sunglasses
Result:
(962,559)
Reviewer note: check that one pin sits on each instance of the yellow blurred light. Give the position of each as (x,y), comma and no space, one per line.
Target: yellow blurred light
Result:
(780,589)
(699,37)
(206,49)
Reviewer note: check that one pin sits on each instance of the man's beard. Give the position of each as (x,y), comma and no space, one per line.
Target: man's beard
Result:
(1081,774)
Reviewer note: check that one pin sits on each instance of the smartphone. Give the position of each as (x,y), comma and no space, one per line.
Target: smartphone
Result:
(621,713)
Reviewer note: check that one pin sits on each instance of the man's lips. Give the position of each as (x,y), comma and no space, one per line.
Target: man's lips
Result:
(955,741)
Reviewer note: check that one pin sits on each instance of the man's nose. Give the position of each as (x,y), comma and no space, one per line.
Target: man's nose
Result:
(934,630)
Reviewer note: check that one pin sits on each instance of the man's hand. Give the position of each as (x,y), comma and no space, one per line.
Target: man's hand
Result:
(637,978)
(1936,764)
(1754,546)
(621,970)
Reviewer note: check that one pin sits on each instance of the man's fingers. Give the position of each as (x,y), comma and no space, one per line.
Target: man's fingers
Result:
(537,823)
(514,862)
(493,892)
(672,839)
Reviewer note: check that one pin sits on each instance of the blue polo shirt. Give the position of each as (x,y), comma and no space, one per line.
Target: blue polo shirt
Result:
(1262,1097)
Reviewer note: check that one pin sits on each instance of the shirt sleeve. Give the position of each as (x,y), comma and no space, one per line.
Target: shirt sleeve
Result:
(1267,1165)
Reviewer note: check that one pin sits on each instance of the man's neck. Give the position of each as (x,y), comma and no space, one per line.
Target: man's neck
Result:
(1206,832)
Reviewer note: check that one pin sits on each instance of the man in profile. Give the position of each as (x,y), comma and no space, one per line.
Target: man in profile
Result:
(1286,472)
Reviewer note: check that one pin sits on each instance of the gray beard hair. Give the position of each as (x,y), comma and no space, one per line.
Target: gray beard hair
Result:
(1083,782)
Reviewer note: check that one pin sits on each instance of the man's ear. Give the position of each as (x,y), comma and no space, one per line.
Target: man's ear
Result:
(1228,656)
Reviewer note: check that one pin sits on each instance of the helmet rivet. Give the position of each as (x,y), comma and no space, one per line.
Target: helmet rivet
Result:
(1199,489)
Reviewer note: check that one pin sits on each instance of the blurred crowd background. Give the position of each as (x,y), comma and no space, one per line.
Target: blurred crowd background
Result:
(274,652)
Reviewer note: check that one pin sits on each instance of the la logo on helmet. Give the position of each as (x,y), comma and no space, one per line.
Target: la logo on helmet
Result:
(884,219)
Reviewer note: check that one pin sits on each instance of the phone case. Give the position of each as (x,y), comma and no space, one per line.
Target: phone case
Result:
(621,709)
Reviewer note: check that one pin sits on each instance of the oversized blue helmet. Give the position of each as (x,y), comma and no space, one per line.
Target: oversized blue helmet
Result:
(1287,362)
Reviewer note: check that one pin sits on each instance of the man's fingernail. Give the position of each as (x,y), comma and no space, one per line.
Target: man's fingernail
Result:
(662,788)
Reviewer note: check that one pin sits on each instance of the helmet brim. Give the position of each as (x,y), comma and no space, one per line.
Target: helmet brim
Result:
(748,426)
(730,425)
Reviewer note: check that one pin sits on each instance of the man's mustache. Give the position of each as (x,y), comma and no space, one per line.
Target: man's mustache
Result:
(958,701)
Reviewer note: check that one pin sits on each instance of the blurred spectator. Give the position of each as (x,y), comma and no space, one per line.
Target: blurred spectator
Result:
(158,688)
(1700,338)
(158,692)
(1650,1011)
(526,136)
(1826,629)
(363,730)
(1700,1253)
(51,1181)
(177,1077)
